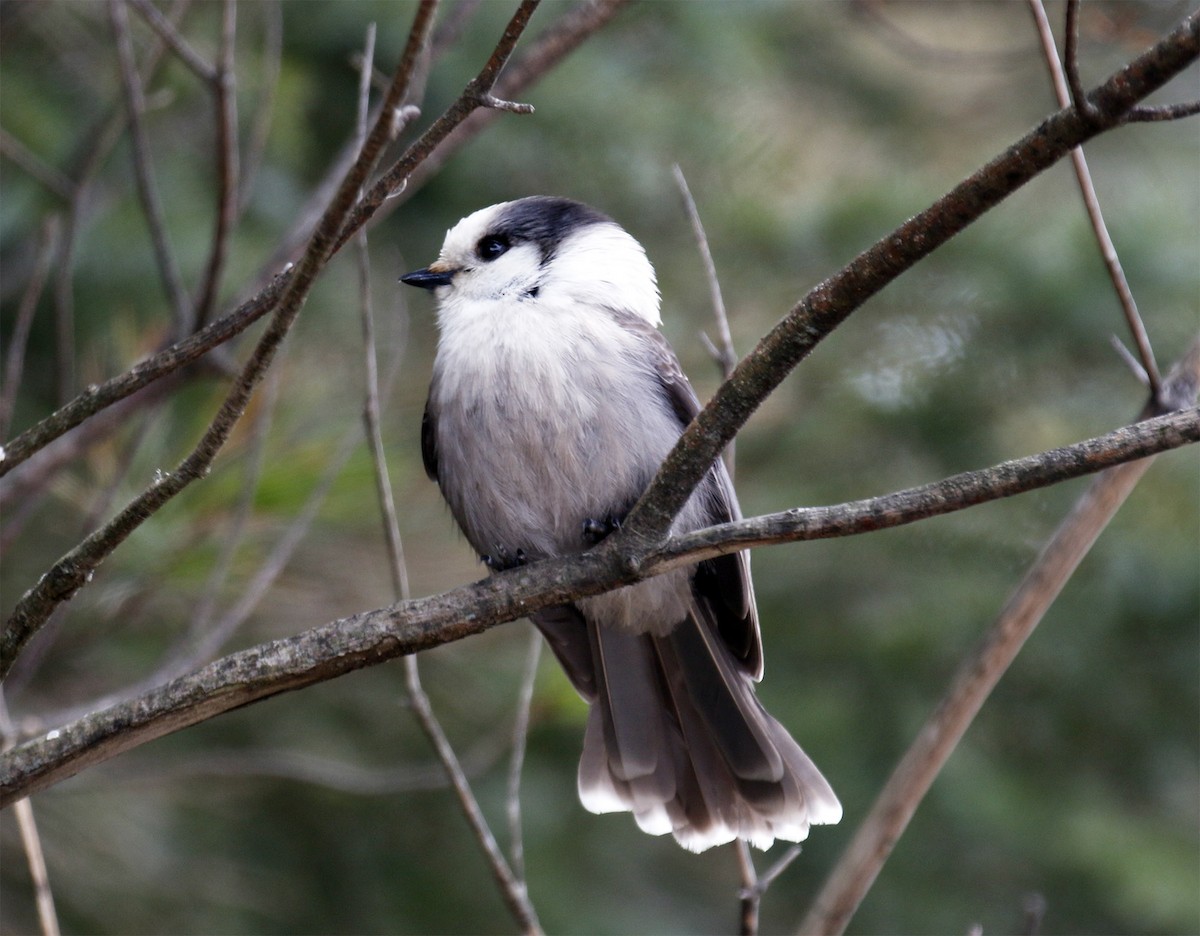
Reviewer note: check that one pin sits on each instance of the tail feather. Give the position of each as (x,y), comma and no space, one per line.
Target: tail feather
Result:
(677,736)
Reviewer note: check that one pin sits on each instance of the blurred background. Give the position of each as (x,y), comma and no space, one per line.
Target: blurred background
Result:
(806,132)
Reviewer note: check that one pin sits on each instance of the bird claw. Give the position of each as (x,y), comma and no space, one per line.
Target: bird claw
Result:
(502,559)
(596,530)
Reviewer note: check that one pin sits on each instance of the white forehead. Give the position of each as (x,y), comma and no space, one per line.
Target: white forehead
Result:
(462,238)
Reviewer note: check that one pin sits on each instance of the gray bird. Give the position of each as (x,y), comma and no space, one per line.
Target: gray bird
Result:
(553,402)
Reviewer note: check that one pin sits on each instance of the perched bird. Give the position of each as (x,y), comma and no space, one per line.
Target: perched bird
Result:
(553,402)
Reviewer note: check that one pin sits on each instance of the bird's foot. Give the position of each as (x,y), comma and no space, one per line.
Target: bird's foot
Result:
(596,530)
(502,559)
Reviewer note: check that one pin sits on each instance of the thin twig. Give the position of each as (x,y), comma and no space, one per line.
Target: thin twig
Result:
(1091,201)
(830,303)
(14,362)
(547,51)
(169,33)
(75,569)
(224,91)
(520,740)
(754,886)
(1152,114)
(98,397)
(512,888)
(260,125)
(723,353)
(143,168)
(21,155)
(31,841)
(977,676)
(748,896)
(369,638)
(1078,97)
(478,93)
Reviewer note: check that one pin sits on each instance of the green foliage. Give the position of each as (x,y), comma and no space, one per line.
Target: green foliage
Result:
(806,132)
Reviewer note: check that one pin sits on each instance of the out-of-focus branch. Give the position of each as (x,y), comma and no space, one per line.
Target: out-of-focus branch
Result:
(225,144)
(512,888)
(20,155)
(75,569)
(31,842)
(372,637)
(170,35)
(978,674)
(831,302)
(550,48)
(143,167)
(14,361)
(478,93)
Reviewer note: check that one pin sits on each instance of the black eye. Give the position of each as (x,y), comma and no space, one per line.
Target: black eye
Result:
(492,246)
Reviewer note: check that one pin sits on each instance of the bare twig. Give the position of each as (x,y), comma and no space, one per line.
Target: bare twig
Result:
(1079,98)
(167,31)
(225,143)
(512,888)
(831,302)
(342,646)
(550,48)
(20,155)
(1163,112)
(478,93)
(1091,201)
(565,35)
(170,360)
(143,167)
(75,569)
(722,350)
(723,353)
(31,842)
(976,677)
(520,739)
(747,896)
(14,362)
(754,886)
(260,125)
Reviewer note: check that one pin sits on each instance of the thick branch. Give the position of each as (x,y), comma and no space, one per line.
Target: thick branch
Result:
(831,302)
(372,637)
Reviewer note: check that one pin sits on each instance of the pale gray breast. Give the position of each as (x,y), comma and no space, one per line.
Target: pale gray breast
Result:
(543,441)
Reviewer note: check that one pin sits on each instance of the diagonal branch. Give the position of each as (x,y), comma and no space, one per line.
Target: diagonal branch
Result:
(76,568)
(978,675)
(372,637)
(831,302)
(1091,201)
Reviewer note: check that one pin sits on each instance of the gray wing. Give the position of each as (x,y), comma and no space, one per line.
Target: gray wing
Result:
(429,454)
(723,584)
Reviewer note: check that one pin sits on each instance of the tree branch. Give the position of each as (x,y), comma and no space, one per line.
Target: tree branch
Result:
(372,637)
(1091,202)
(831,302)
(978,675)
(549,49)
(75,569)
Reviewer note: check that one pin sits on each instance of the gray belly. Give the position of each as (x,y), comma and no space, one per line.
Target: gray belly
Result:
(523,468)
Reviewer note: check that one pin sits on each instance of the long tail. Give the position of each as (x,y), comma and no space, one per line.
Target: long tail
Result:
(677,736)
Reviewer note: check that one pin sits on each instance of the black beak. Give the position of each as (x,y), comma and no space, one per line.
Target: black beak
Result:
(428,278)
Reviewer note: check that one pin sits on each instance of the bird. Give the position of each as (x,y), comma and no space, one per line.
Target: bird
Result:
(553,401)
